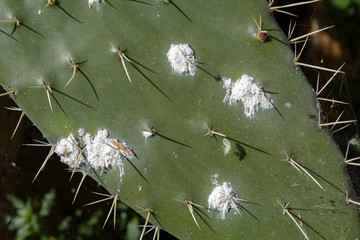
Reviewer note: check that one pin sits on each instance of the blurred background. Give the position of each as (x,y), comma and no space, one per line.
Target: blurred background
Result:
(43,210)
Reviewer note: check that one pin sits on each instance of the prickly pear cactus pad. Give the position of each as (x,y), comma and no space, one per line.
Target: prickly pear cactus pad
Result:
(188,111)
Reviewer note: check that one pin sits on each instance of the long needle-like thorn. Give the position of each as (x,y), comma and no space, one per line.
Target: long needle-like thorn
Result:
(14,20)
(337,120)
(286,211)
(13,91)
(309,34)
(46,159)
(332,77)
(18,123)
(75,67)
(301,51)
(342,128)
(293,4)
(101,200)
(332,100)
(317,83)
(317,67)
(212,133)
(48,92)
(336,123)
(149,212)
(347,150)
(122,56)
(236,206)
(189,204)
(78,188)
(349,200)
(291,29)
(113,205)
(300,168)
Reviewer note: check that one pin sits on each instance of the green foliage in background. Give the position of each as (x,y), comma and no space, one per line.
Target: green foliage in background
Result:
(31,219)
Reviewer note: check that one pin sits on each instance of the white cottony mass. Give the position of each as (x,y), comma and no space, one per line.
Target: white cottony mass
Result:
(182,59)
(251,94)
(223,198)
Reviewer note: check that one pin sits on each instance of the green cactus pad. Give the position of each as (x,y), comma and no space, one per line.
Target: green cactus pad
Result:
(184,160)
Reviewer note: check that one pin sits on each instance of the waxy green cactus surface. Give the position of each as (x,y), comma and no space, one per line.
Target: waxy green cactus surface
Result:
(181,124)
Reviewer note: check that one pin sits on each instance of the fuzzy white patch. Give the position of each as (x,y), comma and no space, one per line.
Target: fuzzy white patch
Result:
(214,179)
(226,146)
(69,152)
(252,95)
(95,3)
(100,151)
(147,134)
(223,198)
(182,59)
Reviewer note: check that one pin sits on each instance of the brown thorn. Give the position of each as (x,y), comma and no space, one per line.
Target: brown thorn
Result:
(126,149)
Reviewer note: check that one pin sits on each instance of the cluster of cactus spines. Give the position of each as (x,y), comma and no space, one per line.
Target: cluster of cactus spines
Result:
(193,158)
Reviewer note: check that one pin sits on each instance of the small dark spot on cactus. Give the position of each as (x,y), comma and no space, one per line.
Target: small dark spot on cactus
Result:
(262,36)
(312,116)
